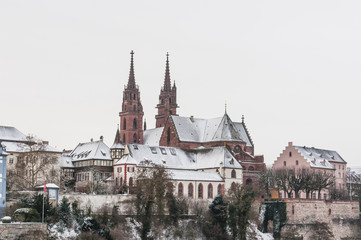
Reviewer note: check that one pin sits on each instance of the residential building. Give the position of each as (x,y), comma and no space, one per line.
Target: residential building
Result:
(2,182)
(30,161)
(327,161)
(92,164)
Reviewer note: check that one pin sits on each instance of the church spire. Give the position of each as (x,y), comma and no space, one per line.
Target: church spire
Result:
(167,84)
(131,81)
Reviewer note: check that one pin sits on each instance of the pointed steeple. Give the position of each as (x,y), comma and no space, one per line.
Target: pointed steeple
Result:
(131,80)
(117,137)
(167,84)
(117,141)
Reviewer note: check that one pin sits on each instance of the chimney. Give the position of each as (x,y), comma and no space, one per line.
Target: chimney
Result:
(101,138)
(192,119)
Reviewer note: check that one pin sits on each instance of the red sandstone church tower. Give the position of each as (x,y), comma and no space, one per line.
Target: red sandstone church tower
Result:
(167,99)
(131,116)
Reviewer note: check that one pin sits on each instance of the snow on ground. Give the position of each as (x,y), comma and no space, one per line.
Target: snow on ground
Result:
(253,229)
(62,233)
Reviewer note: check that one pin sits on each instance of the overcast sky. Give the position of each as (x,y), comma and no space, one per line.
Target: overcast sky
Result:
(291,67)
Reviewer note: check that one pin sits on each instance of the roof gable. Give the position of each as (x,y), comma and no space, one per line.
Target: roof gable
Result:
(91,150)
(210,130)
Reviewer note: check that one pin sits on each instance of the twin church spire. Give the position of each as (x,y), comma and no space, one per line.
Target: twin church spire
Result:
(131,116)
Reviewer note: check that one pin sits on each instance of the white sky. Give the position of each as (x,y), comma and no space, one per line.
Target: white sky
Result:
(291,67)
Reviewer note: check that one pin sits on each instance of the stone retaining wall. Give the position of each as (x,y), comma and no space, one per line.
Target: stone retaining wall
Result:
(29,231)
(96,202)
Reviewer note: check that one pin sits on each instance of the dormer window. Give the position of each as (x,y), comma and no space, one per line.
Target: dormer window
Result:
(154,150)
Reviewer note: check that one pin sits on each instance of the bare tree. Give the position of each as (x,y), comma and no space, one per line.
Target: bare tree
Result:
(35,165)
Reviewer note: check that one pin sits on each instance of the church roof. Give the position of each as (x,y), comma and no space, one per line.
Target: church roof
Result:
(91,150)
(176,158)
(210,130)
(320,158)
(189,175)
(152,136)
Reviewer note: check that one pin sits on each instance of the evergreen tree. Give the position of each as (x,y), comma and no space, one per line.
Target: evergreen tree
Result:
(64,212)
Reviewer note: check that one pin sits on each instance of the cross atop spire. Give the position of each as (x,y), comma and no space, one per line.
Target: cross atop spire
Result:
(131,81)
(167,84)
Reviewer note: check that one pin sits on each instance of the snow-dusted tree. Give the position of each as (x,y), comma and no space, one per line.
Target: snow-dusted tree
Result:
(64,211)
(36,163)
(150,190)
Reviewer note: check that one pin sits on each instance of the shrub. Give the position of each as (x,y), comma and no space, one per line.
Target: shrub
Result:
(6,219)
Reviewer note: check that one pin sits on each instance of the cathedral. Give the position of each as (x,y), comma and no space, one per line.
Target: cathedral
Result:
(193,146)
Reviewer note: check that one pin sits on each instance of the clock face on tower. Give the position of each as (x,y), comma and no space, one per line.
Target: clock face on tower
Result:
(237,149)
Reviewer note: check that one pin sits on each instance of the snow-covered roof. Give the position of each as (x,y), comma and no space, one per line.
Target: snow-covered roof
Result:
(189,175)
(66,161)
(320,158)
(117,146)
(176,158)
(22,147)
(91,150)
(12,134)
(152,136)
(210,130)
(15,147)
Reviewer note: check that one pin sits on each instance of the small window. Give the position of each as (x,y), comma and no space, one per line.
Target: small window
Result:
(233,174)
(293,210)
(290,154)
(163,151)
(173,152)
(154,150)
(284,163)
(296,162)
(11,160)
(130,182)
(249,181)
(251,168)
(343,167)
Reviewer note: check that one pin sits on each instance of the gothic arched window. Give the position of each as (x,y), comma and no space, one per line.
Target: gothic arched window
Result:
(134,108)
(200,190)
(168,136)
(125,124)
(219,189)
(249,181)
(190,190)
(135,138)
(124,138)
(233,174)
(210,190)
(251,168)
(134,124)
(180,189)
